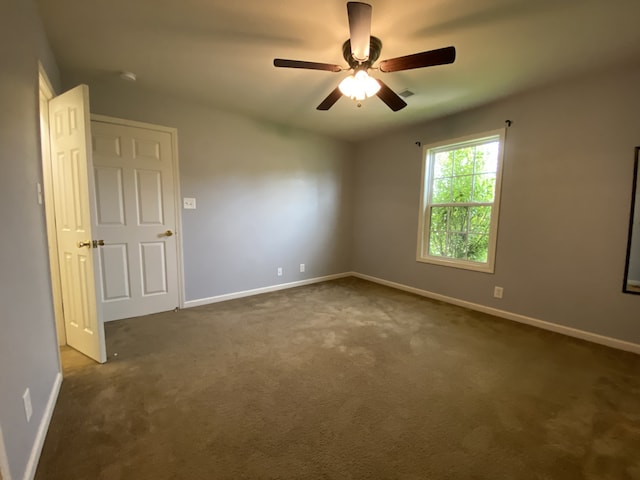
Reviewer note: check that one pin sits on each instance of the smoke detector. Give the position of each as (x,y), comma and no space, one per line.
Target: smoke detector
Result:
(128,76)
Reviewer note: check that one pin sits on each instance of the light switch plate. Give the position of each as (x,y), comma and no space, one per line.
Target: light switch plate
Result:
(189,203)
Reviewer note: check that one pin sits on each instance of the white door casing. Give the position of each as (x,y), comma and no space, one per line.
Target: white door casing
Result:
(4,462)
(46,94)
(135,215)
(72,171)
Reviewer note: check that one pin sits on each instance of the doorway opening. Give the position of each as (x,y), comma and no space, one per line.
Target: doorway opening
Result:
(116,180)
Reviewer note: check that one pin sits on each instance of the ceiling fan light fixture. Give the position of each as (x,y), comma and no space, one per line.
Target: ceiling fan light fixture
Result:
(359,86)
(361,51)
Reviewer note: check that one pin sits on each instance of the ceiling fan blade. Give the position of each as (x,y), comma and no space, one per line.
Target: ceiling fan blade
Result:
(328,102)
(359,29)
(440,56)
(281,62)
(388,96)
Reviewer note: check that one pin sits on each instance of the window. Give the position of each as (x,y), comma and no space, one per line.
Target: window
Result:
(460,200)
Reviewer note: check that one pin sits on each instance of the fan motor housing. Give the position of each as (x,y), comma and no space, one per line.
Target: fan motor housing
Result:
(375,46)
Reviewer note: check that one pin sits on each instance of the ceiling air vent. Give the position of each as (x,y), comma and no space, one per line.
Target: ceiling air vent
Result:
(406,93)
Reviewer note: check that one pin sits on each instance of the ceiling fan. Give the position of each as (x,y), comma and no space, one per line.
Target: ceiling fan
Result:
(360,51)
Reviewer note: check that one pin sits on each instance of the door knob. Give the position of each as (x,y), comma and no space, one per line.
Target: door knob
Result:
(168,233)
(97,243)
(84,244)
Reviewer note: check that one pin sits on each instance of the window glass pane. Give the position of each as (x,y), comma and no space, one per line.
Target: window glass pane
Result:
(437,243)
(462,187)
(439,219)
(478,248)
(484,187)
(487,157)
(443,165)
(463,160)
(458,219)
(457,247)
(479,219)
(442,190)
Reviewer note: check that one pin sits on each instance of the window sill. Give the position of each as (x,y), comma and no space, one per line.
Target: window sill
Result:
(465,265)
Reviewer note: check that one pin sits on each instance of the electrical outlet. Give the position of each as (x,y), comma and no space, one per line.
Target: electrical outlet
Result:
(279,271)
(189,203)
(497,292)
(28,409)
(302,267)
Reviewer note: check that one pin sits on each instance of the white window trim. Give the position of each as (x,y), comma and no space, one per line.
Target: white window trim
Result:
(423,220)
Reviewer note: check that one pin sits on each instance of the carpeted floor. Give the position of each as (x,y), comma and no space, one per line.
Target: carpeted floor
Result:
(344,380)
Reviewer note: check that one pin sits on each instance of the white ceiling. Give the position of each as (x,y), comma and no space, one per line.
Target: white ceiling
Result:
(220,52)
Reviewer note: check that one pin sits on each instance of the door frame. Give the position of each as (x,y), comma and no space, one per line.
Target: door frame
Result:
(177,198)
(5,474)
(46,92)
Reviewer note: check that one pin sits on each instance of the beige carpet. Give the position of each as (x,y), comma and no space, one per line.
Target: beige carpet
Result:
(344,380)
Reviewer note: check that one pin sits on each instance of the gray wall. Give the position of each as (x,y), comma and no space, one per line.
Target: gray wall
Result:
(564,214)
(28,346)
(267,196)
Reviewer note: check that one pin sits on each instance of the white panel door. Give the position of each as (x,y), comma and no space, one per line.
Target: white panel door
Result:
(73,179)
(135,216)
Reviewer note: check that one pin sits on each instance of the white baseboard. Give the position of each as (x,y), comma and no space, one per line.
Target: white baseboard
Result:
(553,327)
(258,291)
(32,465)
